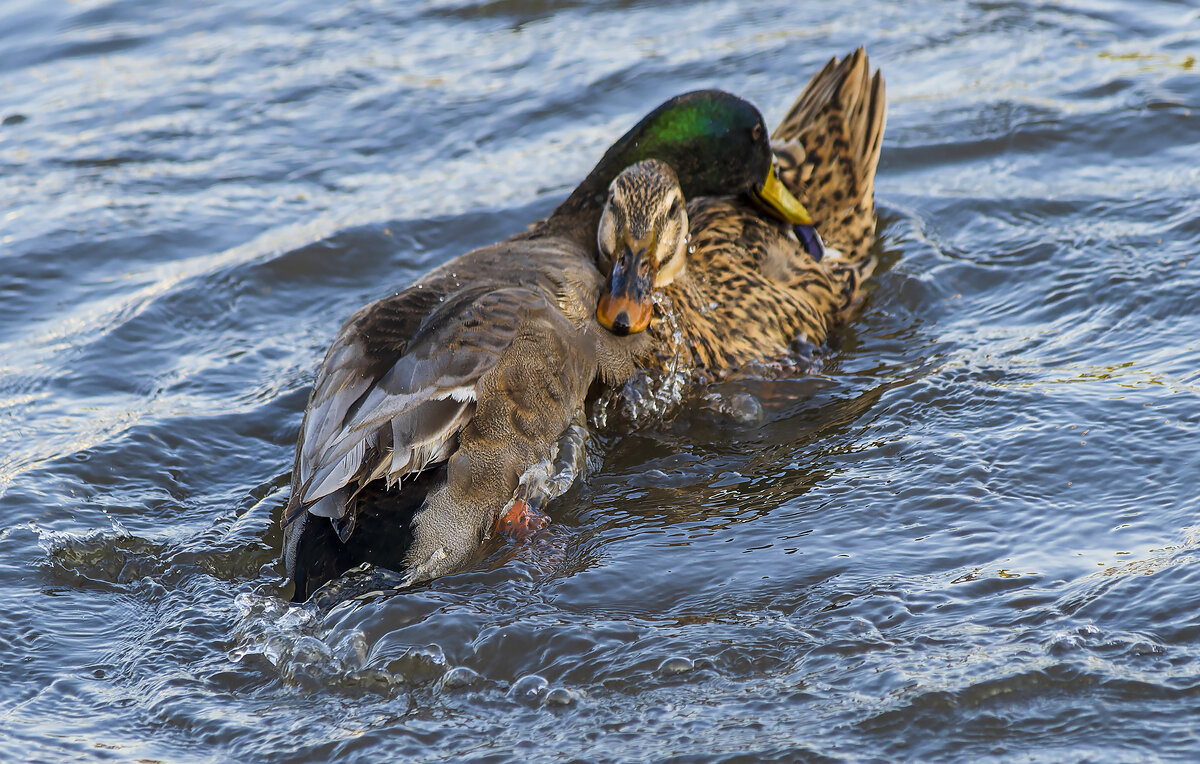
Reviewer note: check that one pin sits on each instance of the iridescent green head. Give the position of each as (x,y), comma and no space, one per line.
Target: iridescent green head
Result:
(714,141)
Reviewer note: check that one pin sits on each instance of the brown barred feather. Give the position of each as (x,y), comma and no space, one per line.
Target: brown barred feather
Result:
(828,148)
(749,288)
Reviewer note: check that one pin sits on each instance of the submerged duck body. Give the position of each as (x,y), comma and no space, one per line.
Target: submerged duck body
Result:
(747,287)
(448,400)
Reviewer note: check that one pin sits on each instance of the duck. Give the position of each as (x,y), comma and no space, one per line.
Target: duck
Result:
(718,285)
(448,412)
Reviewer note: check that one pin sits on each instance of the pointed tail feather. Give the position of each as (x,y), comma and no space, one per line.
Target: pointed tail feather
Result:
(828,148)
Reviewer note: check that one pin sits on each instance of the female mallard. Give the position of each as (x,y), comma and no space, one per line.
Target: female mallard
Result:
(727,285)
(456,390)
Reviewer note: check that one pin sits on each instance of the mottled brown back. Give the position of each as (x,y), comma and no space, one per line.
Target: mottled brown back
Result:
(750,289)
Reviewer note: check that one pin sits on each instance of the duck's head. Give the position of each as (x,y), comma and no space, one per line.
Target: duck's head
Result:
(642,237)
(717,145)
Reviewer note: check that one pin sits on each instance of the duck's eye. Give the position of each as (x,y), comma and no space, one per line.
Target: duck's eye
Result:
(674,211)
(757,131)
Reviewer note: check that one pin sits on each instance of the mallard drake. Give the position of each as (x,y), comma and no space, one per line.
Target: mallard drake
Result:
(455,392)
(726,285)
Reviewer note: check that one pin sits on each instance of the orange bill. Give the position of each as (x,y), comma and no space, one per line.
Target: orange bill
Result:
(623,315)
(625,305)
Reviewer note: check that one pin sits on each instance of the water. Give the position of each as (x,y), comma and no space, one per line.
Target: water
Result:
(973,535)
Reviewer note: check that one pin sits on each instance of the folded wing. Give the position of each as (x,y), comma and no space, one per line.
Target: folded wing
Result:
(386,405)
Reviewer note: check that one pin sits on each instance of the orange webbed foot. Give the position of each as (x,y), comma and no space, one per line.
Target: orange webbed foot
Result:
(520,520)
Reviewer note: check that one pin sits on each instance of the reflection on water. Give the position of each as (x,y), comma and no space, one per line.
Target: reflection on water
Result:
(969,534)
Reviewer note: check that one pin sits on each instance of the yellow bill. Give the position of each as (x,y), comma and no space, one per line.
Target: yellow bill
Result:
(776,197)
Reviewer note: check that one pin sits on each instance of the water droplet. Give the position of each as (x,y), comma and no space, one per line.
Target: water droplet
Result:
(528,689)
(674,666)
(559,696)
(460,677)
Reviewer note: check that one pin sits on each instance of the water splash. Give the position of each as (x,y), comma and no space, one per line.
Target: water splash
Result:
(295,642)
(653,397)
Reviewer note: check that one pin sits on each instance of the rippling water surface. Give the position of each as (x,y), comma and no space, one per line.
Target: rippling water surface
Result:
(973,534)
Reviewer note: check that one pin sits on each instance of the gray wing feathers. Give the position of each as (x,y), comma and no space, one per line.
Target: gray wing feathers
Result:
(338,386)
(338,473)
(359,429)
(332,506)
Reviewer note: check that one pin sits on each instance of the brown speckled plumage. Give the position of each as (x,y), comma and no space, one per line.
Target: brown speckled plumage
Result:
(481,366)
(749,289)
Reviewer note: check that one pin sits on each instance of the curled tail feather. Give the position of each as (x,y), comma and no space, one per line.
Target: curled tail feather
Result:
(828,148)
